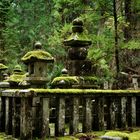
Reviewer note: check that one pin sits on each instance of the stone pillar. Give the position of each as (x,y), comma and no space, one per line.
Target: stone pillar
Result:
(8,115)
(87,121)
(101,113)
(60,124)
(135,82)
(26,119)
(123,113)
(74,124)
(36,115)
(133,111)
(113,110)
(45,118)
(2,114)
(16,117)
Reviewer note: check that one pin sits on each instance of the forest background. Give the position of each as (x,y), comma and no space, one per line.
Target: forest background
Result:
(113,26)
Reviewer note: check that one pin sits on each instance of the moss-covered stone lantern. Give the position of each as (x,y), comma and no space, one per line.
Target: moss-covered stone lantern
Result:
(37,62)
(77,64)
(16,77)
(78,41)
(2,68)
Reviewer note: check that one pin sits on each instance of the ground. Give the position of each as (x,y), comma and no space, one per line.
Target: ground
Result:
(135,135)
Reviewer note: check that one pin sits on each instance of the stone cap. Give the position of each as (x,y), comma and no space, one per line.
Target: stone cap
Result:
(4,84)
(37,55)
(78,36)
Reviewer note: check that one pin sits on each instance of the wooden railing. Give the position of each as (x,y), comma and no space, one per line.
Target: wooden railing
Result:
(29,113)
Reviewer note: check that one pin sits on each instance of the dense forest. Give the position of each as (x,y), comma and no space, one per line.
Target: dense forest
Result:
(113,27)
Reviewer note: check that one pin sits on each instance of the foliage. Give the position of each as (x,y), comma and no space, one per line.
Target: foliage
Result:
(24,22)
(132,45)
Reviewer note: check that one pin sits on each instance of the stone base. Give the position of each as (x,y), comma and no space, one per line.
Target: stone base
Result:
(79,67)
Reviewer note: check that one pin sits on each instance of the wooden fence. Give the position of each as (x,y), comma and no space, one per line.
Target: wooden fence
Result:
(29,113)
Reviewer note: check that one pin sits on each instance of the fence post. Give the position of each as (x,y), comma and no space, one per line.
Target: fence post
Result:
(2,114)
(26,119)
(16,117)
(133,111)
(123,113)
(113,110)
(45,118)
(74,124)
(87,121)
(101,113)
(8,115)
(60,124)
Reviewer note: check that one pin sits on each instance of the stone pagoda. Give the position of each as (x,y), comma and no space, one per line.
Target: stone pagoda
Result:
(77,63)
(37,63)
(78,43)
(79,68)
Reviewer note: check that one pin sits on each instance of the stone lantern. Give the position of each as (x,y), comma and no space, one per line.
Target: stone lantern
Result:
(17,77)
(2,68)
(77,64)
(78,43)
(37,62)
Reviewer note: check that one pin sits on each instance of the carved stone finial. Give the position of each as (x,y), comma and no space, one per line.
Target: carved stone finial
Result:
(77,25)
(64,71)
(38,45)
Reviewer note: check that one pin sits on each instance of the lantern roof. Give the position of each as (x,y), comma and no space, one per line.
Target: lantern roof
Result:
(37,55)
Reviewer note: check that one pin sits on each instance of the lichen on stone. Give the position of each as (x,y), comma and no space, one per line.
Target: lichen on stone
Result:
(37,55)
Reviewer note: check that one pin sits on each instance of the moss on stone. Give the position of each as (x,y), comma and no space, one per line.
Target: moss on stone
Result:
(37,55)
(3,67)
(79,135)
(16,77)
(134,135)
(90,79)
(77,39)
(117,134)
(85,91)
(68,79)
(67,138)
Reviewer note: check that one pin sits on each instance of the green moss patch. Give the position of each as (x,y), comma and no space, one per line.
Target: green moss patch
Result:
(134,135)
(37,55)
(3,67)
(77,39)
(84,91)
(68,79)
(17,77)
(117,134)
